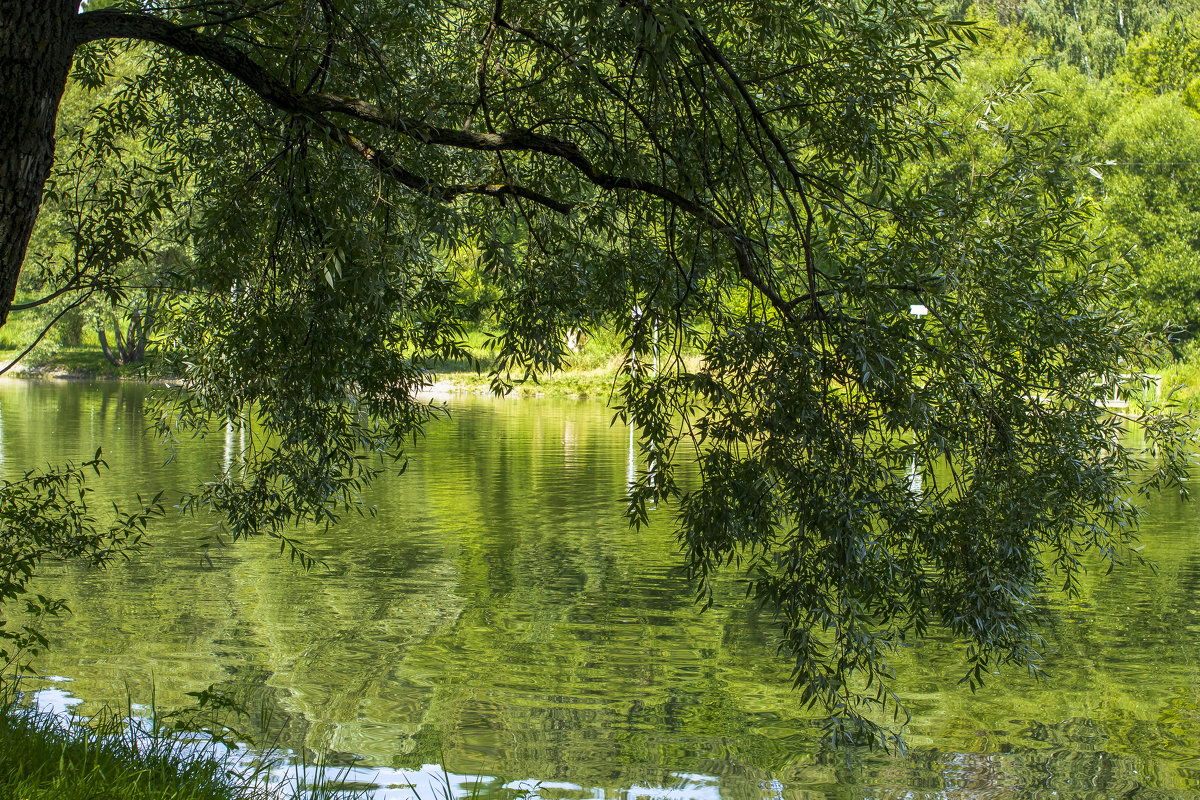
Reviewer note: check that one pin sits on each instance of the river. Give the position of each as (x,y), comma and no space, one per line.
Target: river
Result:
(498,626)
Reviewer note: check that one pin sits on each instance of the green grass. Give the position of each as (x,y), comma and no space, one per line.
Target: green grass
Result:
(79,361)
(44,757)
(1183,377)
(71,348)
(51,356)
(593,371)
(589,373)
(20,329)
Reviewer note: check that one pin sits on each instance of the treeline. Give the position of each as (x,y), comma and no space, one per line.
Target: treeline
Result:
(1122,82)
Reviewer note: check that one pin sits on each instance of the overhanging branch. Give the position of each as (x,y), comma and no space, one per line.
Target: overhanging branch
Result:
(114,24)
(445,193)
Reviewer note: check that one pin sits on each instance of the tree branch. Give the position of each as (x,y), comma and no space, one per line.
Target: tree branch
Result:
(72,286)
(388,166)
(114,24)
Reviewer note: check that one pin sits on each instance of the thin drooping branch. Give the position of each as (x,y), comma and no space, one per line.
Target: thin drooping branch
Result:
(46,329)
(209,23)
(481,73)
(73,286)
(710,47)
(607,85)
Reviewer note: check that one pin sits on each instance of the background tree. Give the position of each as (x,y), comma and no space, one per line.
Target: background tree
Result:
(1151,190)
(1164,60)
(755,178)
(1138,124)
(1088,35)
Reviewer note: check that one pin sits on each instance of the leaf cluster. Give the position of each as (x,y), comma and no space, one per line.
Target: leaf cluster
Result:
(44,515)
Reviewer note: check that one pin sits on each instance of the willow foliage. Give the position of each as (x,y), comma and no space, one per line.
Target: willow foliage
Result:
(772,185)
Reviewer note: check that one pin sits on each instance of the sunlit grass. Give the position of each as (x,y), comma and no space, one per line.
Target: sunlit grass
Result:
(1181,379)
(43,757)
(47,757)
(594,370)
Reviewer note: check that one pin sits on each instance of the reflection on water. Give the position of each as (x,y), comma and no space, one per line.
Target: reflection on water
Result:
(499,617)
(914,478)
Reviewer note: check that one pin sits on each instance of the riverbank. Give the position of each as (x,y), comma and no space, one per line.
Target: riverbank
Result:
(46,756)
(593,372)
(579,382)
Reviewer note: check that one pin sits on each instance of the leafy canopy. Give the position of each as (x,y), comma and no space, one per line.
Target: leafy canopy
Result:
(769,186)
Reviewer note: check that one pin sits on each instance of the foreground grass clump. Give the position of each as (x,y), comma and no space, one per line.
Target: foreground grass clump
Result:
(43,756)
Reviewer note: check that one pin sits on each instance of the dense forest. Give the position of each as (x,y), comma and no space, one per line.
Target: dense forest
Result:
(1123,82)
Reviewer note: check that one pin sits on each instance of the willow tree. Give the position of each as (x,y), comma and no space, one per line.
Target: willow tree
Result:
(773,185)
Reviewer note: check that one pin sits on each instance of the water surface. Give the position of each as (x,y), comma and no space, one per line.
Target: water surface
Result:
(498,617)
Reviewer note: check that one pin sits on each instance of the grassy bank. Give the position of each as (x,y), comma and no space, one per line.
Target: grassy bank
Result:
(63,353)
(1183,376)
(590,372)
(45,757)
(593,371)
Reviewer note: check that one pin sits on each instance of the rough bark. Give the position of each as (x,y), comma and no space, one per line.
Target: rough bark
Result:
(35,57)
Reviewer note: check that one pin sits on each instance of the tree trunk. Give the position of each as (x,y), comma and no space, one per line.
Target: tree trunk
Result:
(113,359)
(35,57)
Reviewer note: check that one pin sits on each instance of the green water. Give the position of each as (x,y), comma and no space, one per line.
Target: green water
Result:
(499,617)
